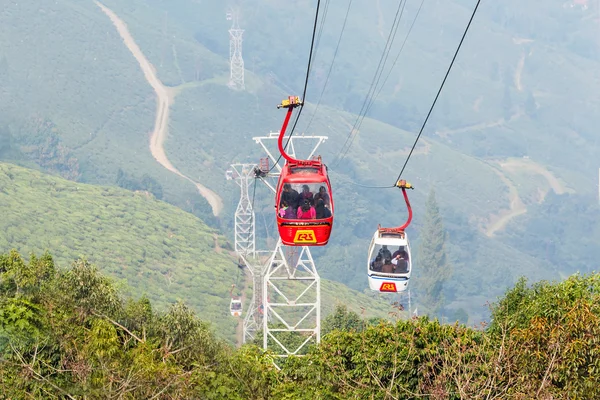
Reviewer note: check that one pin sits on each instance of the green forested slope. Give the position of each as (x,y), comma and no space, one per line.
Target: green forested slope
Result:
(157,249)
(154,248)
(79,104)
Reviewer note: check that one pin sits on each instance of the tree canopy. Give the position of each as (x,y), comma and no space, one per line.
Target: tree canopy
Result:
(70,333)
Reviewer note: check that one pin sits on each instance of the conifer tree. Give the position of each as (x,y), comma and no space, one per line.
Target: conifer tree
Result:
(432,269)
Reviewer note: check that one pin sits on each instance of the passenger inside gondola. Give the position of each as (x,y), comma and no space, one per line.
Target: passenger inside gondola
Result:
(306,194)
(388,267)
(400,265)
(321,209)
(385,253)
(322,195)
(376,264)
(291,196)
(295,195)
(400,252)
(285,211)
(306,211)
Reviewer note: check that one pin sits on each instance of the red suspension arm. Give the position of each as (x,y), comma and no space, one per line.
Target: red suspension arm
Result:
(282,134)
(403,227)
(291,103)
(402,185)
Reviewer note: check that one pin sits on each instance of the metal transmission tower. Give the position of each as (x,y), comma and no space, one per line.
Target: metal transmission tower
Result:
(245,241)
(292,295)
(291,289)
(236,62)
(254,316)
(245,246)
(292,298)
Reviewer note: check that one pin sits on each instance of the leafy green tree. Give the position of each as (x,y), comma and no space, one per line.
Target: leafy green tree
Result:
(432,269)
(461,316)
(342,319)
(70,334)
(552,332)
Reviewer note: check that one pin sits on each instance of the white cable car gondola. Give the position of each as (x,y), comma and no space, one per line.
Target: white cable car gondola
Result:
(390,263)
(235,305)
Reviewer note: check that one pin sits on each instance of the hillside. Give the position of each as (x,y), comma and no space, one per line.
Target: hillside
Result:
(152,247)
(526,84)
(71,333)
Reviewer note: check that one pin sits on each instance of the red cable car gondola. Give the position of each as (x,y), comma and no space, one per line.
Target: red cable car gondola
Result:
(304,201)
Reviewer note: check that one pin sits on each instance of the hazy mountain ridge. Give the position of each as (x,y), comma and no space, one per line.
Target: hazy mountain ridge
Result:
(480,120)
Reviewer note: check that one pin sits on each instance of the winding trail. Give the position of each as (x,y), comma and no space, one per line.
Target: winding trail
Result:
(517,206)
(479,127)
(499,221)
(165,97)
(519,73)
(516,165)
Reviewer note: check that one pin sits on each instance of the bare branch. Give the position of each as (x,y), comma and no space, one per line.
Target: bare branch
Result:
(550,365)
(119,325)
(37,375)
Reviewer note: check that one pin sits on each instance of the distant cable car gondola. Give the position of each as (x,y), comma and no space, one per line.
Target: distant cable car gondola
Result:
(304,201)
(390,262)
(235,305)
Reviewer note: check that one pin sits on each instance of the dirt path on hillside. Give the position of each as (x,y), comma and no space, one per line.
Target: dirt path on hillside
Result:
(519,73)
(499,221)
(484,125)
(165,97)
(517,207)
(515,165)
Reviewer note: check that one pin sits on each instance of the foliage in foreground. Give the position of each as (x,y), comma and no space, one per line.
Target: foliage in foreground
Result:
(70,334)
(543,343)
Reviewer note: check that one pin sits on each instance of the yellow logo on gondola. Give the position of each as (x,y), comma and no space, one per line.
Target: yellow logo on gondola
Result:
(388,287)
(305,236)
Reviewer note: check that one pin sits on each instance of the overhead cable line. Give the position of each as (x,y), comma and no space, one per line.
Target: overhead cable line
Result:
(384,81)
(360,119)
(337,47)
(372,187)
(401,48)
(312,44)
(321,25)
(378,71)
(303,98)
(439,91)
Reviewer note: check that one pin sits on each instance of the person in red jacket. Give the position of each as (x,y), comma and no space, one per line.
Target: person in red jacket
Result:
(306,211)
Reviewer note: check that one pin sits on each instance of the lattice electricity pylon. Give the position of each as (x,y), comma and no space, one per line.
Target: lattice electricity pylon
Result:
(257,265)
(245,227)
(292,300)
(291,290)
(253,321)
(236,62)
(291,150)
